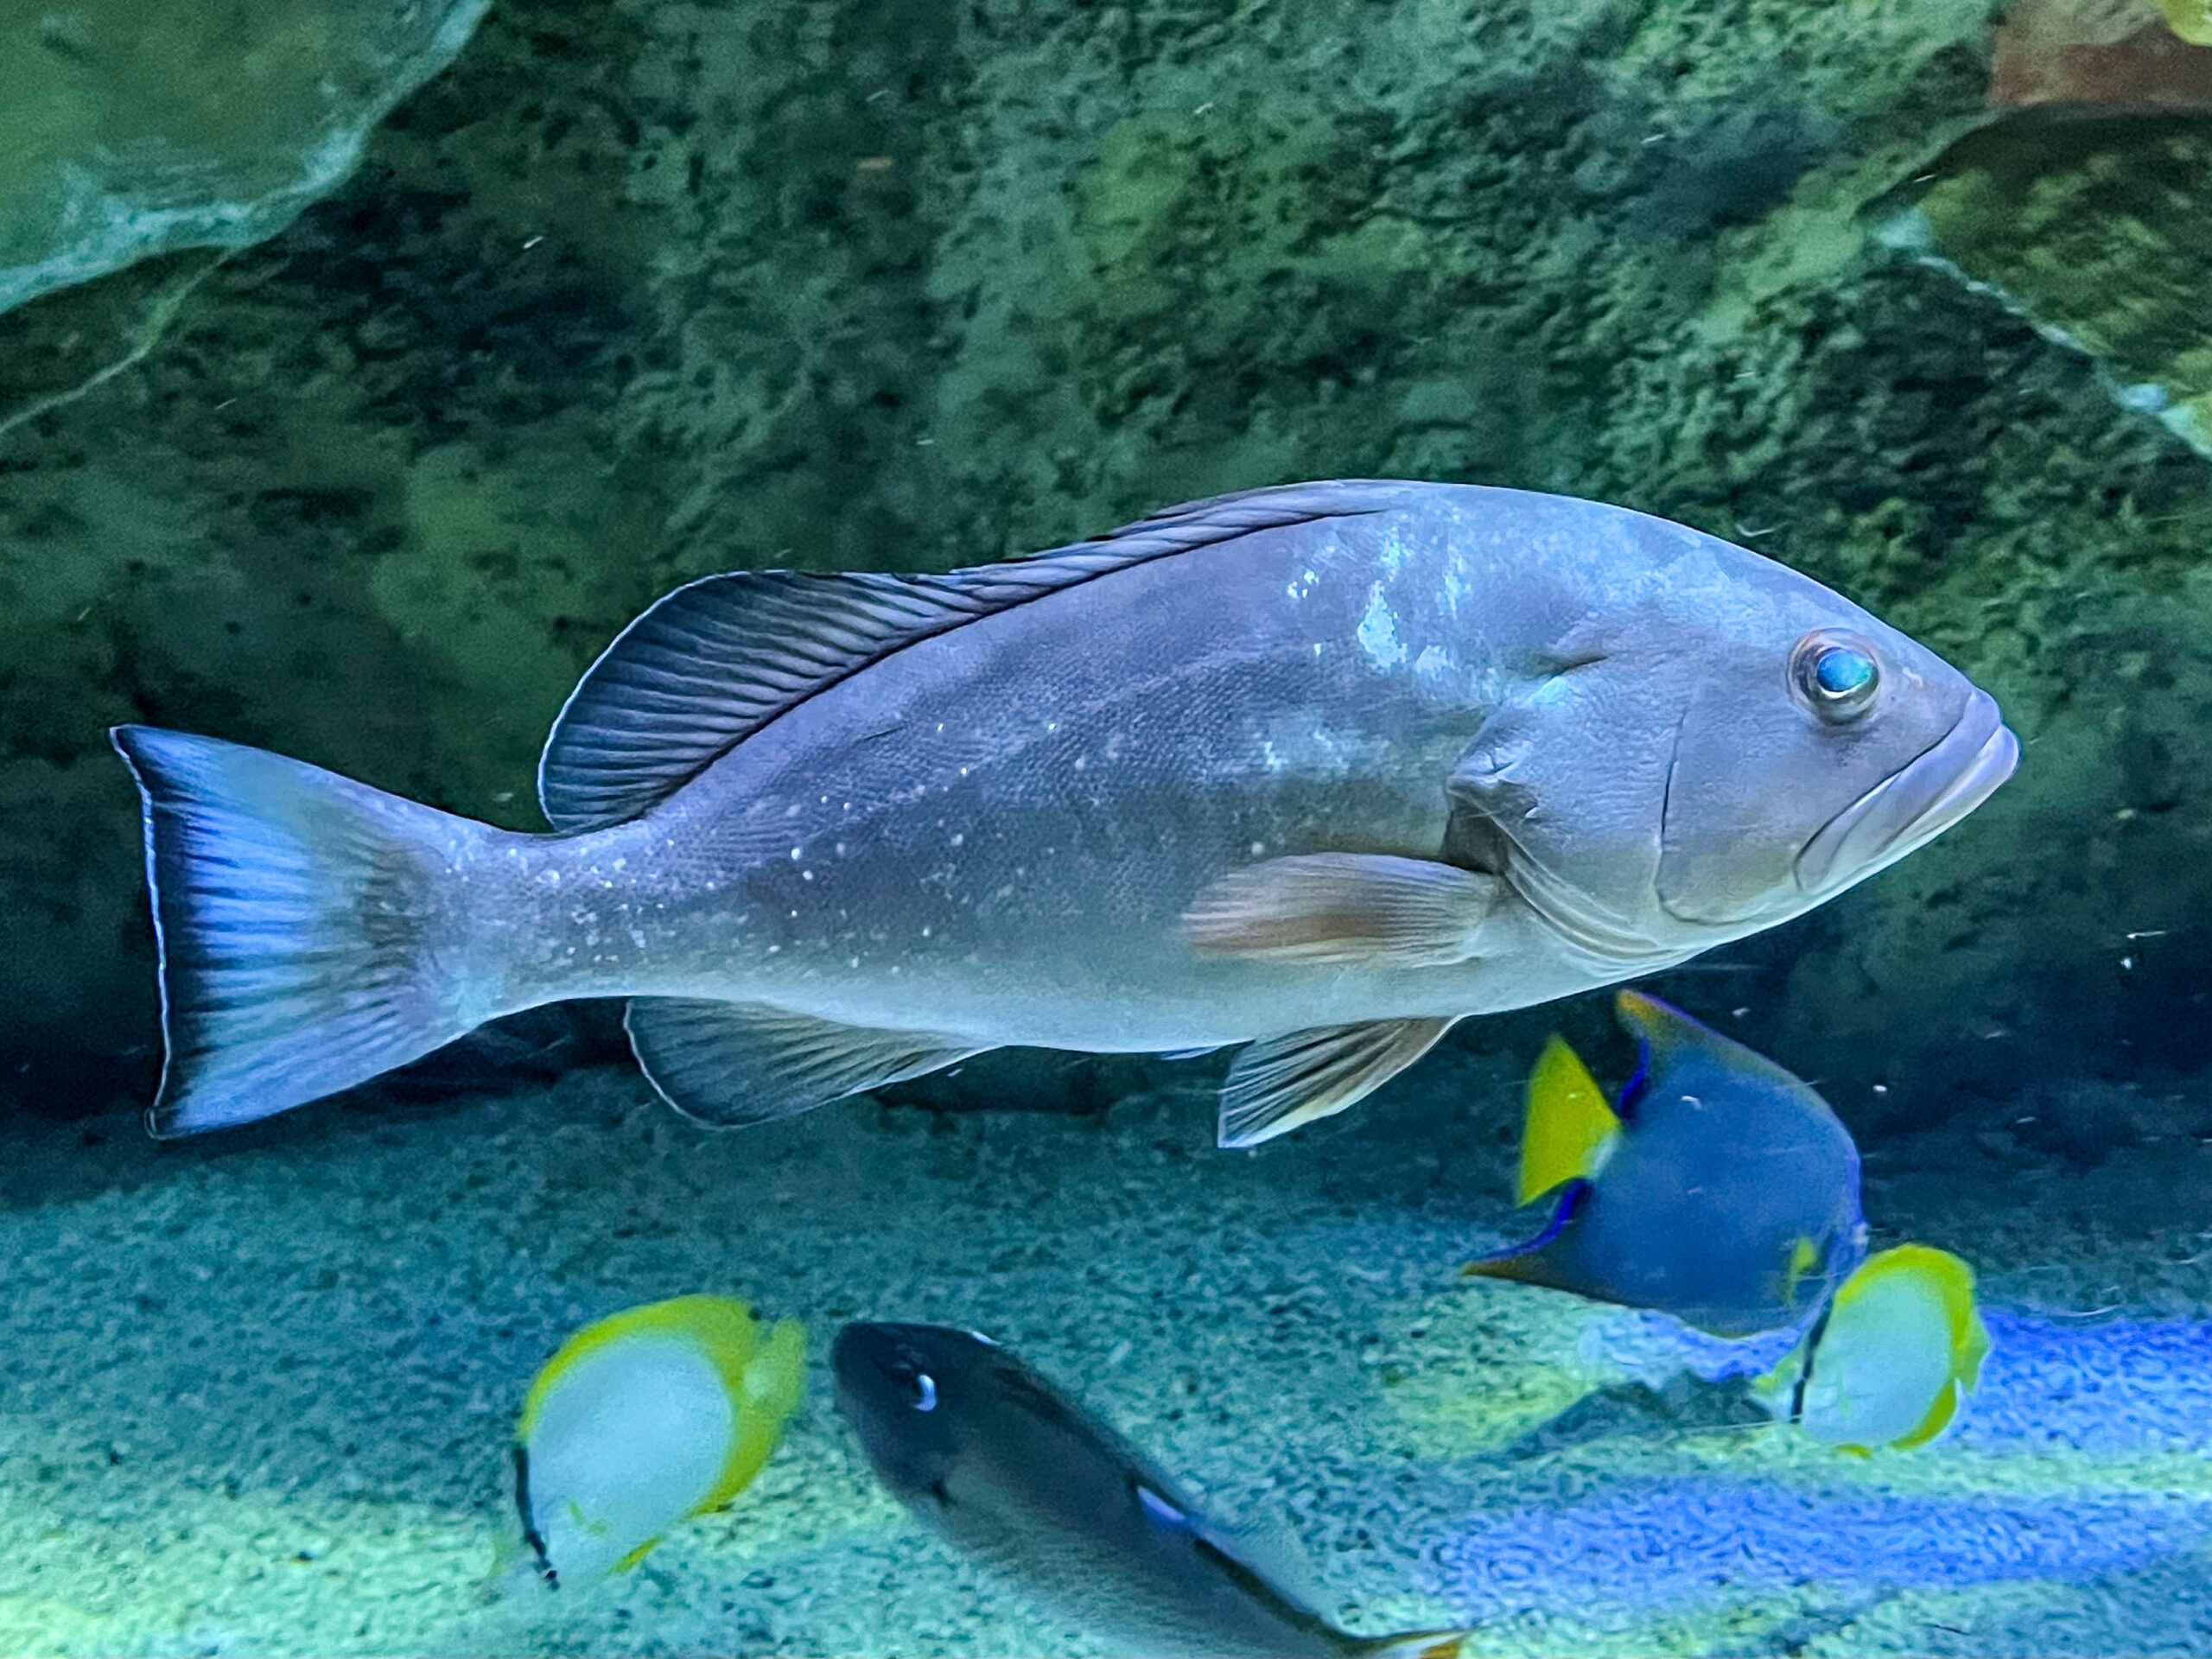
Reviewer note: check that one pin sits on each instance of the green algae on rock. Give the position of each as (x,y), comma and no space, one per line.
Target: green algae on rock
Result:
(139,129)
(2096,231)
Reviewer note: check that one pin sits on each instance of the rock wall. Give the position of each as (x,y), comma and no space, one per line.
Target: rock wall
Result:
(640,290)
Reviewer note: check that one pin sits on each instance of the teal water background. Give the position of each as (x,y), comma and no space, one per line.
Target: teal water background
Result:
(632,292)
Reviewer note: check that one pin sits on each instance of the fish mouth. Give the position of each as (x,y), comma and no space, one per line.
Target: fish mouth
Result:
(1914,806)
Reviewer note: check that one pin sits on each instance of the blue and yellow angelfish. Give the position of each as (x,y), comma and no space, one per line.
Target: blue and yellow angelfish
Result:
(1718,1188)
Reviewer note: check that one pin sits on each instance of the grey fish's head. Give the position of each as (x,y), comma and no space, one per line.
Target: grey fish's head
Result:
(908,1390)
(1718,745)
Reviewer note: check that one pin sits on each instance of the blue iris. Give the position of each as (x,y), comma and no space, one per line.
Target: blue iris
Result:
(1840,671)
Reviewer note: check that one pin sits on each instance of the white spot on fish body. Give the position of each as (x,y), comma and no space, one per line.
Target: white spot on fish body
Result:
(1455,589)
(959,840)
(1378,632)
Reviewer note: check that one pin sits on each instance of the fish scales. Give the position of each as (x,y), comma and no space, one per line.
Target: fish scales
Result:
(967,859)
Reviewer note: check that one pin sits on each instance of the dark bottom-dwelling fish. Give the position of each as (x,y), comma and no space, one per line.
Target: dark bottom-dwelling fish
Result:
(1319,769)
(1719,1188)
(1024,1479)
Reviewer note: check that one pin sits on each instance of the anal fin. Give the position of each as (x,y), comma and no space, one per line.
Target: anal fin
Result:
(1283,1081)
(728,1064)
(1412,1644)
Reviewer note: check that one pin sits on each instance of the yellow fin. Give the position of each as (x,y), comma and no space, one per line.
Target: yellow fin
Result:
(764,1390)
(2190,19)
(1570,1128)
(1804,1257)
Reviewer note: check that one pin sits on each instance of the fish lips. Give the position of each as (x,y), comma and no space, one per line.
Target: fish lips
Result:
(1915,803)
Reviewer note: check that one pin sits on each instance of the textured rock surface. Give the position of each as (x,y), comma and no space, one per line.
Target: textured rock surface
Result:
(130,128)
(2095,231)
(637,291)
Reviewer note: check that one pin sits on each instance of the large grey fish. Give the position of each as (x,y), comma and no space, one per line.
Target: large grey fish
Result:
(1321,769)
(1028,1482)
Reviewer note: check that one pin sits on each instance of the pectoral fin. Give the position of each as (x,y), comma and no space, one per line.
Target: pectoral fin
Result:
(1283,1082)
(1345,909)
(727,1063)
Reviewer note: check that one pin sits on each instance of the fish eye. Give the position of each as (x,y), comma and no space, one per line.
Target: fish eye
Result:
(1835,674)
(921,1389)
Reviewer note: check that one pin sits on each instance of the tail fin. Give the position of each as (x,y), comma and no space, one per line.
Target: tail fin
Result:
(299,917)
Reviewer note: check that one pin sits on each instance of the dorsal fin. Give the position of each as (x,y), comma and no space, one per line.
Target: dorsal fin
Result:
(712,663)
(1570,1131)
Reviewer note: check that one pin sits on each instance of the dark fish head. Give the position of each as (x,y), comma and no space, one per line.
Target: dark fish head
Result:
(1723,744)
(911,1393)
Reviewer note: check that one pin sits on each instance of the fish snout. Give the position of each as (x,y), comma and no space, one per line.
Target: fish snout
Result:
(1915,803)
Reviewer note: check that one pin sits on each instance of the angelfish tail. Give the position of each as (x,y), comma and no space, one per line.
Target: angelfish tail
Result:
(308,927)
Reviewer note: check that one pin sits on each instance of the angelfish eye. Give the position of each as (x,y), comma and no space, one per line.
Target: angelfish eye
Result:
(1835,674)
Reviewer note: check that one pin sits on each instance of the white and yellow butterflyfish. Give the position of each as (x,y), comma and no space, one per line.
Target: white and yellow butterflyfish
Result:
(1901,1350)
(644,1419)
